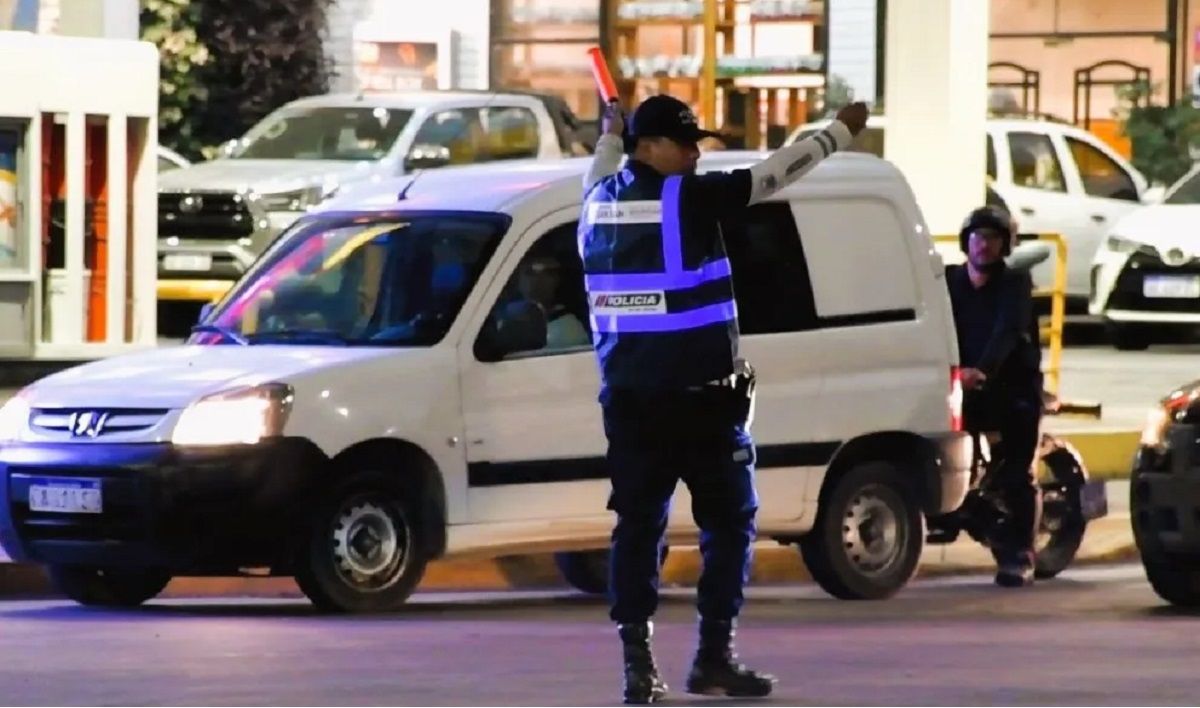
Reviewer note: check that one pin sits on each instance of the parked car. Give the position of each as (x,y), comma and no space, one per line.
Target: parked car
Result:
(1164,502)
(216,217)
(1145,277)
(1053,178)
(376,392)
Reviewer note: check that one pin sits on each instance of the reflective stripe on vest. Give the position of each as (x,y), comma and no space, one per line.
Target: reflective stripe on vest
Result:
(675,299)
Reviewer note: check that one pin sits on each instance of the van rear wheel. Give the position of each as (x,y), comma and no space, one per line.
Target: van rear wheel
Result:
(587,571)
(868,536)
(363,552)
(108,587)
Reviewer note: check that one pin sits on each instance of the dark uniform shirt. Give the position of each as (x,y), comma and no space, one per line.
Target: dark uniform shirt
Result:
(994,324)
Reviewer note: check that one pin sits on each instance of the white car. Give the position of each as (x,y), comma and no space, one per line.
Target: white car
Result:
(1146,275)
(376,393)
(1053,178)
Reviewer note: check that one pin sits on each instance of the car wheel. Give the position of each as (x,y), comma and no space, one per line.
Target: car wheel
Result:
(868,535)
(1128,338)
(587,571)
(1174,579)
(108,587)
(362,552)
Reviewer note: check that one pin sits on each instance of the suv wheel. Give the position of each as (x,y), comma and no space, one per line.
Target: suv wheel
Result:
(362,553)
(868,536)
(108,587)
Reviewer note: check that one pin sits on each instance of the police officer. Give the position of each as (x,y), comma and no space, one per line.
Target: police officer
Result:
(676,399)
(1000,353)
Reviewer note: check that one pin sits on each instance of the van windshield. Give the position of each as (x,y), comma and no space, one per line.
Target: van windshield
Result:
(365,280)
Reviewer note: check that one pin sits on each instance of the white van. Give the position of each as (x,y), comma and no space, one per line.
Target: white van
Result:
(378,392)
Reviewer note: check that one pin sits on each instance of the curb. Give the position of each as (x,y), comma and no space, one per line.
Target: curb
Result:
(1107,454)
(1109,540)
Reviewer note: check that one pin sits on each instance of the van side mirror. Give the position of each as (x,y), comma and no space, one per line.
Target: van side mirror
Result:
(228,148)
(424,156)
(520,327)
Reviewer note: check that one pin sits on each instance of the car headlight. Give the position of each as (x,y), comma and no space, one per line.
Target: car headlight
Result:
(1159,418)
(14,416)
(240,417)
(297,199)
(1121,245)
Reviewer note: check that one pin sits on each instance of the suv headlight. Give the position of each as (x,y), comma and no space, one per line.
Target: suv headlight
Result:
(1160,417)
(239,417)
(14,416)
(297,199)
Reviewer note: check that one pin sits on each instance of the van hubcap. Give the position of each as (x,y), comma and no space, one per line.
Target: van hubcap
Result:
(871,533)
(370,545)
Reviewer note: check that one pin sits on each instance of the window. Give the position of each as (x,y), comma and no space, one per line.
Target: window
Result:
(1102,177)
(362,280)
(770,275)
(991,158)
(512,133)
(1185,191)
(1034,162)
(541,46)
(471,135)
(456,137)
(550,277)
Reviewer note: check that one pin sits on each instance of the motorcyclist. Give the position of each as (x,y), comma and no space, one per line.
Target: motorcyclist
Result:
(1000,356)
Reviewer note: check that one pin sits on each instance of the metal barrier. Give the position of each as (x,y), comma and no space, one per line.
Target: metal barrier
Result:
(1052,334)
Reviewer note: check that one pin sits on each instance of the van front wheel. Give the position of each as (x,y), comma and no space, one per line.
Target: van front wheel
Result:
(362,552)
(868,536)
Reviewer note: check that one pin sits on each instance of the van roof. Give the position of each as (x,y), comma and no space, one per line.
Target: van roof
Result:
(506,186)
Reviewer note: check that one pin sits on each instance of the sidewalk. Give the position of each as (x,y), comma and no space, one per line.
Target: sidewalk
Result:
(1108,539)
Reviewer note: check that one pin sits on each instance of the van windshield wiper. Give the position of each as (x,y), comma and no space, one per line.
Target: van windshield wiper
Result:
(320,336)
(223,331)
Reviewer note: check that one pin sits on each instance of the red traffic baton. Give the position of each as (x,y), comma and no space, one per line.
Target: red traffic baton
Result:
(603,77)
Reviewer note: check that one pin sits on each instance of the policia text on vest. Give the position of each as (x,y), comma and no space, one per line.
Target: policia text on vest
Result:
(677,401)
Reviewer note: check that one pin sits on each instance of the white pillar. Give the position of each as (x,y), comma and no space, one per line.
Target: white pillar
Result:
(74,262)
(118,234)
(114,19)
(935,97)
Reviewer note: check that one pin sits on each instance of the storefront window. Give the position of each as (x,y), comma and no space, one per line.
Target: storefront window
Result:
(11,249)
(541,45)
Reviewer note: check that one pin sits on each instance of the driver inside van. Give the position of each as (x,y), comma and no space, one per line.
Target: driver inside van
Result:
(539,280)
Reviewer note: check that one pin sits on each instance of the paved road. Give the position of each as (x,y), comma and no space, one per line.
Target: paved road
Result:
(1098,636)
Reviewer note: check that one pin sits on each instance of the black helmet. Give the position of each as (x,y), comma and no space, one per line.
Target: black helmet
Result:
(988,217)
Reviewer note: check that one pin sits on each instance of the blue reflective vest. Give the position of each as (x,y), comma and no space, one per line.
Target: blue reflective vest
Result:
(659,285)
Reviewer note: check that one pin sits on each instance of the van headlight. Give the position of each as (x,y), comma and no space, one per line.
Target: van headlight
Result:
(14,416)
(240,417)
(298,199)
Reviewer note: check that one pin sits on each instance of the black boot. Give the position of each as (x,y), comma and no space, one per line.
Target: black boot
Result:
(643,684)
(716,671)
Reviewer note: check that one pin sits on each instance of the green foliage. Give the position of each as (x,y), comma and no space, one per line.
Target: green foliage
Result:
(228,63)
(171,25)
(1163,137)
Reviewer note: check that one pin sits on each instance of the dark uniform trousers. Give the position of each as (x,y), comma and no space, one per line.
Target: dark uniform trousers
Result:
(655,439)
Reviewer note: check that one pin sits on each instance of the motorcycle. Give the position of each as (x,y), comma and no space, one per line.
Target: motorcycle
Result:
(1070,500)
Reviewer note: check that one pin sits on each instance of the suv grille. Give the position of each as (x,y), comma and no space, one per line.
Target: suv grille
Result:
(207,215)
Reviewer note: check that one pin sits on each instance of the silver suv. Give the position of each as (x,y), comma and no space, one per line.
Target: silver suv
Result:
(215,218)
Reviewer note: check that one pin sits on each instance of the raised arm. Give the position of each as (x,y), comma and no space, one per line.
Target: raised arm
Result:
(792,162)
(609,148)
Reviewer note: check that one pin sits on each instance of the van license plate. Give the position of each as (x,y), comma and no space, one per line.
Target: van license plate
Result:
(1171,286)
(188,261)
(66,496)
